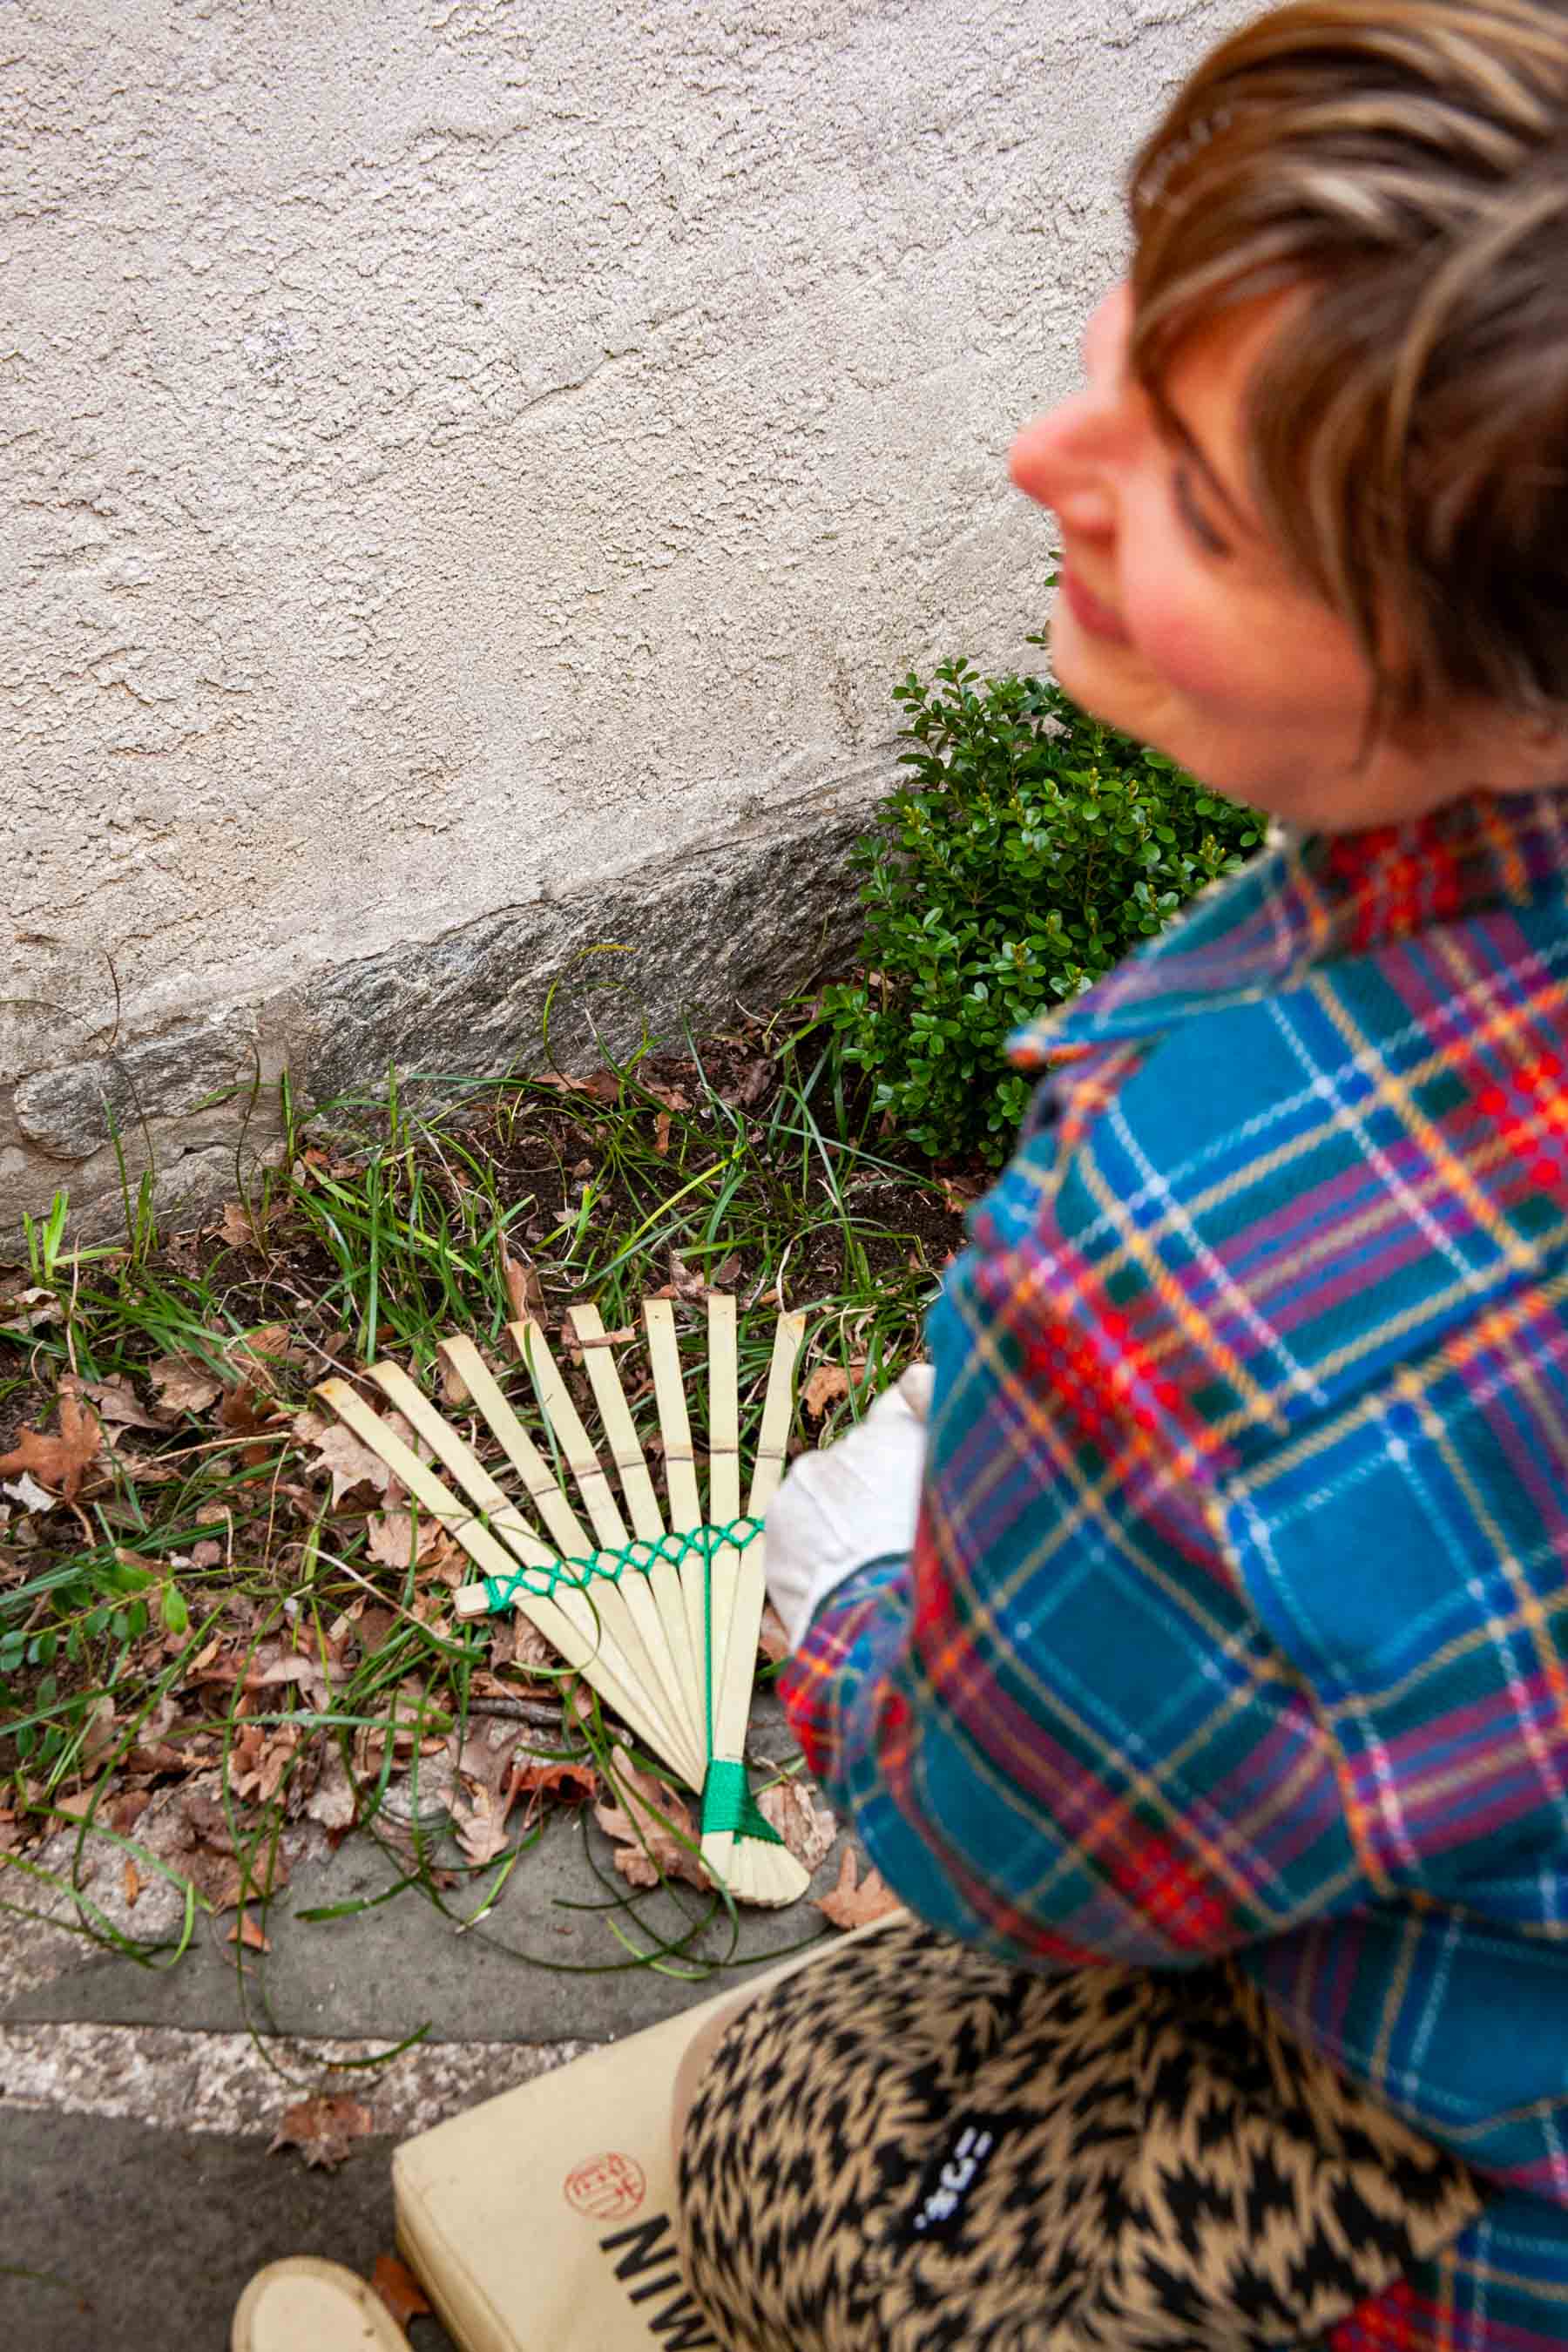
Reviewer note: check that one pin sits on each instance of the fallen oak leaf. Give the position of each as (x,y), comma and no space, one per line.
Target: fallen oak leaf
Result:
(238,1227)
(604,1086)
(479,1820)
(258,1357)
(337,1450)
(621,1338)
(684,1281)
(397,1540)
(398,2289)
(806,1828)
(524,1288)
(535,1777)
(646,1847)
(825,1386)
(334,1800)
(323,2129)
(59,1463)
(182,1384)
(248,1931)
(247,1409)
(772,1639)
(26,1491)
(117,1403)
(855,1901)
(38,1306)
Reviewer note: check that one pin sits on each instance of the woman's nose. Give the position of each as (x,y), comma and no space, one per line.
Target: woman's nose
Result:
(1060,460)
(1065,458)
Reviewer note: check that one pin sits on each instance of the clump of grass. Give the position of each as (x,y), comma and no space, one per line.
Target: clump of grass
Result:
(206,1538)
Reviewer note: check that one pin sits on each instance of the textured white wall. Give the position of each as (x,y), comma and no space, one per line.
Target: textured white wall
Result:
(462,455)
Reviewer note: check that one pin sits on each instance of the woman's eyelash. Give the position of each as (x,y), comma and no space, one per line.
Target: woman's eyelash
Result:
(1191,515)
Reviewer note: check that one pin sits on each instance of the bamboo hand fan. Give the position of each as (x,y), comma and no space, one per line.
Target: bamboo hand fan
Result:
(663,1621)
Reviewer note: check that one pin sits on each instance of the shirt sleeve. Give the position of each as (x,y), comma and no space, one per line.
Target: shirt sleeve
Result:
(1058,1727)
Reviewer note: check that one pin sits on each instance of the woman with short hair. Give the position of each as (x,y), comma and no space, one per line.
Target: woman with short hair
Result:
(1196,1668)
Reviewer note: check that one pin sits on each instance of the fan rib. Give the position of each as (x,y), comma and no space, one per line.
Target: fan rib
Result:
(584,1646)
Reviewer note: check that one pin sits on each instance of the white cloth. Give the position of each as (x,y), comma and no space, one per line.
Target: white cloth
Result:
(849,1504)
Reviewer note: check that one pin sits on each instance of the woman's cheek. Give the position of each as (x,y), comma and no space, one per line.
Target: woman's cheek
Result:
(1190,654)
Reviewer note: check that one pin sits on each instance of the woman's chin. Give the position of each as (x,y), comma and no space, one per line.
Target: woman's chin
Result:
(1081,668)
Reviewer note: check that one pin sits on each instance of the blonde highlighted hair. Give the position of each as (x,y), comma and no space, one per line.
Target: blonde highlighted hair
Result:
(1405,163)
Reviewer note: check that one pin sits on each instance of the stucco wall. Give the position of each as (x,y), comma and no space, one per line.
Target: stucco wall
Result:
(474,474)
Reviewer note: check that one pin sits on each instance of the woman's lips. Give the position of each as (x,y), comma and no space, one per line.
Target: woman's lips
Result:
(1089,613)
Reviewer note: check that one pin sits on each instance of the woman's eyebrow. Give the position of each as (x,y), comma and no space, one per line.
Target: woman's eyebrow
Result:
(1173,422)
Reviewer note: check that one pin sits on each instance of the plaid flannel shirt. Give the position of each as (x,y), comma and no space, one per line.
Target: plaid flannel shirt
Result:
(1238,1616)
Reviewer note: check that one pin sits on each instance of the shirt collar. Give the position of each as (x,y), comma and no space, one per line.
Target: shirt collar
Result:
(1308,900)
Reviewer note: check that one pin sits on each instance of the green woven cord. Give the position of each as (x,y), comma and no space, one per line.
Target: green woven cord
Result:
(728,1804)
(727,1801)
(643,1555)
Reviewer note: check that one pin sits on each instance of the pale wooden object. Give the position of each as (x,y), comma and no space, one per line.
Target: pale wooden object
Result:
(568,1624)
(760,1872)
(643,1640)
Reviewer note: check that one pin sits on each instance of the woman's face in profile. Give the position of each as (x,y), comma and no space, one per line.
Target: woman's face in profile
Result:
(1179,620)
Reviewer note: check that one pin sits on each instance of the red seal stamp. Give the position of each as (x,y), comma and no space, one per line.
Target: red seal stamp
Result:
(606,2188)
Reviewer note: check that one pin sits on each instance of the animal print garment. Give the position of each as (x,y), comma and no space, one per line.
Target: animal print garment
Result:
(911,2147)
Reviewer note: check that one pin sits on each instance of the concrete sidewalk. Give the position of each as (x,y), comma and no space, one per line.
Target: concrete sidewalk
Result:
(137,2103)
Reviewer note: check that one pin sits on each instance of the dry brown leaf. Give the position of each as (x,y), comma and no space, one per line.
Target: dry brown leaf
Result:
(30,1494)
(203,1851)
(527,1647)
(480,1799)
(621,1338)
(536,1778)
(28,1310)
(238,1227)
(661,1133)
(322,2129)
(479,1820)
(261,1357)
(670,1097)
(647,1848)
(825,1386)
(684,1281)
(248,1931)
(524,1288)
(336,1449)
(399,1541)
(772,1639)
(117,1403)
(58,1463)
(398,2289)
(183,1385)
(246,1410)
(855,1901)
(132,1883)
(332,1801)
(99,1736)
(297,1669)
(806,1828)
(258,1759)
(454,1387)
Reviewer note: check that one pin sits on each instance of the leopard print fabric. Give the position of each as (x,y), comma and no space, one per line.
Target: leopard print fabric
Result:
(910,2146)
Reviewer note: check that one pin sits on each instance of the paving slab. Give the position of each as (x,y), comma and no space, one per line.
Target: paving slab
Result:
(546,1963)
(142,2239)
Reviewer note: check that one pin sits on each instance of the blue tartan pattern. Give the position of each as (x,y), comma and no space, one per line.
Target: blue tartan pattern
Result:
(1237,1615)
